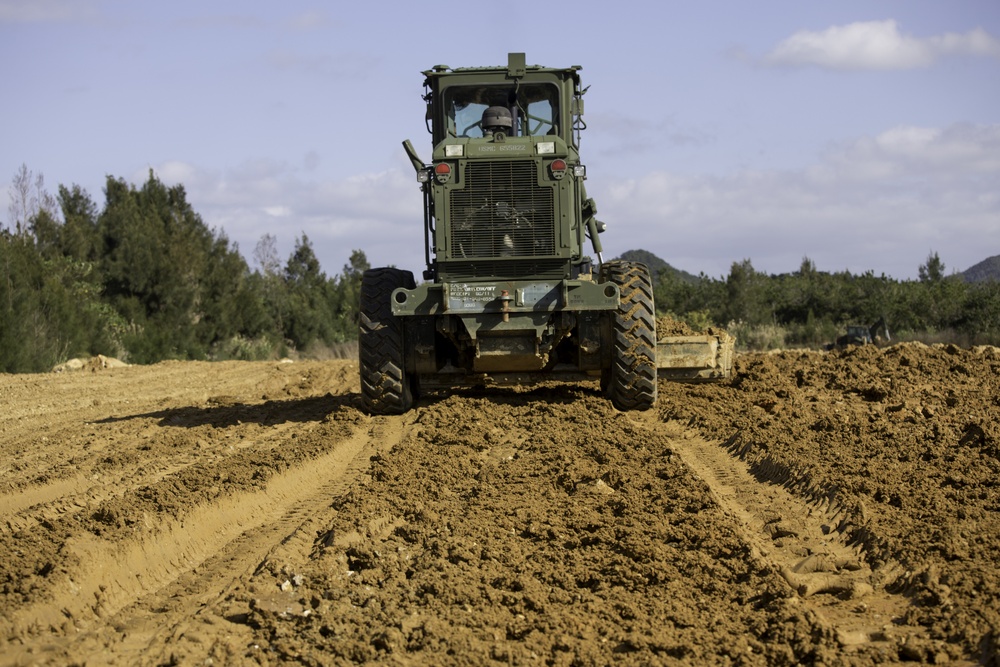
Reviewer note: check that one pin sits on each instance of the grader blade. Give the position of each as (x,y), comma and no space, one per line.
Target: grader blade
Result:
(702,358)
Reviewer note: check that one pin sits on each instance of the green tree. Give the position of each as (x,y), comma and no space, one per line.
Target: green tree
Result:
(747,297)
(310,316)
(932,271)
(24,336)
(172,279)
(347,293)
(80,237)
(269,280)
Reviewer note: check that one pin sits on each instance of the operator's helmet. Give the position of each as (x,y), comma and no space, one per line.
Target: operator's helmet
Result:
(497,119)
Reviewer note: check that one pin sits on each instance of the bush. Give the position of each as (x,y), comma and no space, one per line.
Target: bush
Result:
(241,348)
(759,337)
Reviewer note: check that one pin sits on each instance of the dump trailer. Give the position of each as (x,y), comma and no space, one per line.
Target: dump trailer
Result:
(510,293)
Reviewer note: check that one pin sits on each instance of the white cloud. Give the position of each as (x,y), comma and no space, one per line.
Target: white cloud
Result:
(278,211)
(954,154)
(877,45)
(171,173)
(43,11)
(876,203)
(323,65)
(618,133)
(222,22)
(377,212)
(308,21)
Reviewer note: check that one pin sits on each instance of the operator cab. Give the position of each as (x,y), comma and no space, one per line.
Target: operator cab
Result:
(542,101)
(531,109)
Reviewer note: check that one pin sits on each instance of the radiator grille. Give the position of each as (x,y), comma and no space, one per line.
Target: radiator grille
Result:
(502,212)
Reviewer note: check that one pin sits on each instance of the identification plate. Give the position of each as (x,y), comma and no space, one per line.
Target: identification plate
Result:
(466,296)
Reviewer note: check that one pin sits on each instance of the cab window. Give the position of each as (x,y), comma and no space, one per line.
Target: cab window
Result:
(534,108)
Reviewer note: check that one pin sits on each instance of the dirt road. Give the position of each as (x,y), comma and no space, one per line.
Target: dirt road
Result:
(820,508)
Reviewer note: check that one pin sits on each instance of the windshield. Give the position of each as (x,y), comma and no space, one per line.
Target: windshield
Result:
(533,107)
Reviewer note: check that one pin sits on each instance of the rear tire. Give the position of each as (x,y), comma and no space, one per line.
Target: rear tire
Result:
(386,387)
(629,381)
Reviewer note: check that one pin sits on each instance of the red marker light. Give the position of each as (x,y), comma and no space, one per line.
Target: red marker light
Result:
(442,173)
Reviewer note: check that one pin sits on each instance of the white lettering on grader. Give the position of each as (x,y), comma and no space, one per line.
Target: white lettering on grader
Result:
(503,148)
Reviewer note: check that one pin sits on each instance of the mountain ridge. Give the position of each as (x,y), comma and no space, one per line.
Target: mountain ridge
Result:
(988,269)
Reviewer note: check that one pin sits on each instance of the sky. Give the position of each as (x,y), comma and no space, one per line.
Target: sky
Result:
(862,134)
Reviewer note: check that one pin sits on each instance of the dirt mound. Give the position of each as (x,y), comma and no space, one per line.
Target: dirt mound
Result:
(837,508)
(668,326)
(98,363)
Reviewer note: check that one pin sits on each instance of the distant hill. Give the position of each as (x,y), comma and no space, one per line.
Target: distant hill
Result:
(656,264)
(988,269)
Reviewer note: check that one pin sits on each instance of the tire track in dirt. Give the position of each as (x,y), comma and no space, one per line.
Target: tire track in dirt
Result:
(65,497)
(804,541)
(201,598)
(148,595)
(122,482)
(88,456)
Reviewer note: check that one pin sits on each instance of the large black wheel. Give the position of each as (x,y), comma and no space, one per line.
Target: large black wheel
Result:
(629,380)
(386,388)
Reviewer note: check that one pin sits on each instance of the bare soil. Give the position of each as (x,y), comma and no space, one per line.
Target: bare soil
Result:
(819,508)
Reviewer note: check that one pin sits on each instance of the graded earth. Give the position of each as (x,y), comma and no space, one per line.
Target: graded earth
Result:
(818,508)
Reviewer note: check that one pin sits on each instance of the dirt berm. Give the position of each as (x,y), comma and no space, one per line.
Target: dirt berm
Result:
(819,508)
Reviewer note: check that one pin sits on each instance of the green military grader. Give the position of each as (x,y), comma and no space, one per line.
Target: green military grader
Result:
(510,294)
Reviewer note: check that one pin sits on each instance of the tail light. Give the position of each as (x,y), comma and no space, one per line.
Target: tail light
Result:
(442,172)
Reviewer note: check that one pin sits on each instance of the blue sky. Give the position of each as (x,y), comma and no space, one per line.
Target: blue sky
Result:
(863,135)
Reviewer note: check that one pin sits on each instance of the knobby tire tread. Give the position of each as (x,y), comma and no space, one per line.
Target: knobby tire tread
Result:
(630,383)
(385,385)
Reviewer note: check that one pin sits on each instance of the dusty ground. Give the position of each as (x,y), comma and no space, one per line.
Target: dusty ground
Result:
(820,508)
